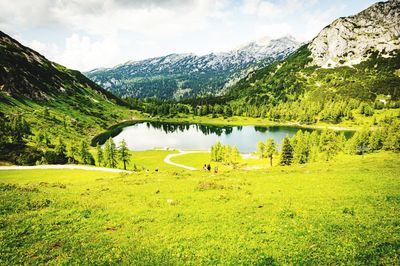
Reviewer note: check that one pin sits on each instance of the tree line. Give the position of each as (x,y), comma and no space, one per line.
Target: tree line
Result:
(110,155)
(306,111)
(225,154)
(304,147)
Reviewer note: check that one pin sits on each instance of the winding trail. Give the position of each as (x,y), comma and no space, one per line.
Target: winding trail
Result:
(167,159)
(64,166)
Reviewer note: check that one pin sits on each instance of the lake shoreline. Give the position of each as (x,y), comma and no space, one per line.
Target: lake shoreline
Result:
(243,121)
(115,129)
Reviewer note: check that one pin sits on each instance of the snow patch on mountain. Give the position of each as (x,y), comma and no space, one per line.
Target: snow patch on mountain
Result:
(211,72)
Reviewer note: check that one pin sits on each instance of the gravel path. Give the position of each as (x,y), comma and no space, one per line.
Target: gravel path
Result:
(169,156)
(64,166)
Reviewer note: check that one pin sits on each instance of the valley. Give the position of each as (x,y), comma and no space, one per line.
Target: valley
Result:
(274,153)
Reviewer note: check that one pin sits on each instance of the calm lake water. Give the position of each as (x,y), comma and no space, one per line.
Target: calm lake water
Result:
(149,135)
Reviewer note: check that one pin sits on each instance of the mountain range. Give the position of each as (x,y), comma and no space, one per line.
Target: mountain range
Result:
(355,57)
(178,76)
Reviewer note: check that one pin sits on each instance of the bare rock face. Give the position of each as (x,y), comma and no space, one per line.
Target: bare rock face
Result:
(350,40)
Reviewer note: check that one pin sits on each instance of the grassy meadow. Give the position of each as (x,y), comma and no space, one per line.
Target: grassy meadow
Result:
(341,212)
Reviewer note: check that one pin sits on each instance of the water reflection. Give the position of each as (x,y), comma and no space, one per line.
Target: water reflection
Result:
(149,135)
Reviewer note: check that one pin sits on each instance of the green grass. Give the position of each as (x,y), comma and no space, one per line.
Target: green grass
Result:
(151,159)
(197,160)
(342,212)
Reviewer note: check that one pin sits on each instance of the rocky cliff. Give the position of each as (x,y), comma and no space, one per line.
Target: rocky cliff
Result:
(351,40)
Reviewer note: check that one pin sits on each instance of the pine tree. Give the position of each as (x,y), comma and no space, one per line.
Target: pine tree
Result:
(124,153)
(376,140)
(287,152)
(110,153)
(359,142)
(4,132)
(60,148)
(301,148)
(261,149)
(19,129)
(217,152)
(99,153)
(270,149)
(392,141)
(72,153)
(84,154)
(328,144)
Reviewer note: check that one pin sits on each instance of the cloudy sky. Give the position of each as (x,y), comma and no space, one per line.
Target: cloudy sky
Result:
(86,34)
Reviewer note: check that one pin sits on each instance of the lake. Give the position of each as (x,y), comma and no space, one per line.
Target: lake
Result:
(149,135)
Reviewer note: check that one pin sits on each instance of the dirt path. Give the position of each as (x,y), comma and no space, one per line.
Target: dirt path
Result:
(64,166)
(169,156)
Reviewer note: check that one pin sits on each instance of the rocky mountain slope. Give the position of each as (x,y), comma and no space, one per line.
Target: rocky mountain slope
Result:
(357,57)
(350,40)
(184,75)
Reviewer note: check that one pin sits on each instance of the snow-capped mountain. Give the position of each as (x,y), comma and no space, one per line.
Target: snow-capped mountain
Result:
(183,75)
(351,40)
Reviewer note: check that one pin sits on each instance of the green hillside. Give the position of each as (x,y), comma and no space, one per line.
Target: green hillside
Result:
(295,77)
(305,92)
(52,100)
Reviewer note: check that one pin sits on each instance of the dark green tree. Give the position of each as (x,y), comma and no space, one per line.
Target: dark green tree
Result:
(99,154)
(271,148)
(60,148)
(124,155)
(84,154)
(359,142)
(329,144)
(72,154)
(19,129)
(110,153)
(376,139)
(392,141)
(287,152)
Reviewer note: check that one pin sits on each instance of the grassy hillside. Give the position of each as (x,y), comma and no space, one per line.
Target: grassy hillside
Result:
(295,90)
(53,100)
(295,77)
(331,213)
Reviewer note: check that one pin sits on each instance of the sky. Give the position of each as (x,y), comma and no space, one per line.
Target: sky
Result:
(88,34)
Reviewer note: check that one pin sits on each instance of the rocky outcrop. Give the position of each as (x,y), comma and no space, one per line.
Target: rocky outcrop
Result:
(350,40)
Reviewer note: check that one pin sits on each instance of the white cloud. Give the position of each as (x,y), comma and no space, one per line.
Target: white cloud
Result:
(108,16)
(274,30)
(271,9)
(85,34)
(80,52)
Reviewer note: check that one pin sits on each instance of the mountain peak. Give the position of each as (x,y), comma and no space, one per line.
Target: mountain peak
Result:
(266,42)
(263,41)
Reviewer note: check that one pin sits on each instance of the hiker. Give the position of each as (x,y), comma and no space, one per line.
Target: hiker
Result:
(209,168)
(205,167)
